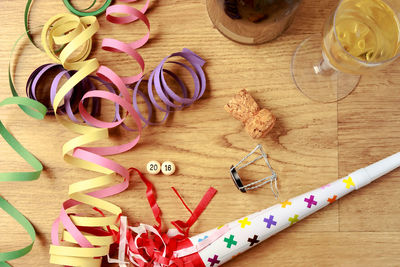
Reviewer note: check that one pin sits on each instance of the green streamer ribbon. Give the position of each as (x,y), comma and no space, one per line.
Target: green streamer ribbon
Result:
(83,13)
(13,212)
(38,111)
(26,21)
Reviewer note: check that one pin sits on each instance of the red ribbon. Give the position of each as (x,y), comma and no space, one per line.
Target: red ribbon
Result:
(154,248)
(184,227)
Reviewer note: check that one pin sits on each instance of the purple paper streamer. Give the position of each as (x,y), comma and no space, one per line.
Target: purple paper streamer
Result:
(165,93)
(156,81)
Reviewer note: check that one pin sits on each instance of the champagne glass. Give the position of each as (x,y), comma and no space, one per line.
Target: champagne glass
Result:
(359,37)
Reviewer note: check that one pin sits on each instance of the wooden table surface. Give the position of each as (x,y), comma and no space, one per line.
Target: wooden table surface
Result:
(311,144)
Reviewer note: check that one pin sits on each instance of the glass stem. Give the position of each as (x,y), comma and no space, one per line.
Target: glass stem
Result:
(323,68)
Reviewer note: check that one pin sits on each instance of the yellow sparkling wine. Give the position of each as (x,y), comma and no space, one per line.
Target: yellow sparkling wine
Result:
(368,30)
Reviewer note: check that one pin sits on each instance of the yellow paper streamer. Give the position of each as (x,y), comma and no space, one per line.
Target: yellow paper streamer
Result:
(76,34)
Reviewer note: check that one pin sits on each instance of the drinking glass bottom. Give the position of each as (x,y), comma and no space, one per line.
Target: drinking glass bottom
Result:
(315,78)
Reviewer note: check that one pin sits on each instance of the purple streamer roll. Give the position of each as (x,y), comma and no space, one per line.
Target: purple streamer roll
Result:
(156,81)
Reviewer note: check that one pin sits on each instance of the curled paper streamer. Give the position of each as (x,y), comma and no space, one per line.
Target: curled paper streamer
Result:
(114,45)
(69,7)
(131,14)
(166,94)
(84,13)
(92,234)
(123,242)
(249,231)
(147,245)
(74,96)
(13,212)
(104,72)
(72,99)
(36,110)
(26,21)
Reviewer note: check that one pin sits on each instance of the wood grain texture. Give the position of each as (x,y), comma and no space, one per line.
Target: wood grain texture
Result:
(311,144)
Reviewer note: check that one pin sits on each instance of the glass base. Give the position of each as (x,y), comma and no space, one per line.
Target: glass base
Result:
(315,78)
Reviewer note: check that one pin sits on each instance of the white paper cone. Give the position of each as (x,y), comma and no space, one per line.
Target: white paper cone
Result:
(253,229)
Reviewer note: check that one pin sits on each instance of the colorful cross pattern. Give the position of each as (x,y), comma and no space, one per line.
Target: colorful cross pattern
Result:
(310,201)
(349,182)
(253,240)
(230,241)
(214,260)
(285,203)
(333,199)
(294,219)
(270,221)
(249,229)
(204,238)
(244,222)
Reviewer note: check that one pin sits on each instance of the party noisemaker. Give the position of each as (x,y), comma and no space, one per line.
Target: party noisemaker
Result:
(217,246)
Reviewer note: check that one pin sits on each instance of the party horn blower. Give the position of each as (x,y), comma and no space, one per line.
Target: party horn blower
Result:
(220,245)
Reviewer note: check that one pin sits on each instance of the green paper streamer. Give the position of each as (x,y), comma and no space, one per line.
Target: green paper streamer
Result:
(83,13)
(26,21)
(36,110)
(13,212)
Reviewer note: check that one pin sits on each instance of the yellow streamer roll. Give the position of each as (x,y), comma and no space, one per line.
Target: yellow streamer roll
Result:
(76,34)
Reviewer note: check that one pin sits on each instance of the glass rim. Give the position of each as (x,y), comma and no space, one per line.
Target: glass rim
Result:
(355,58)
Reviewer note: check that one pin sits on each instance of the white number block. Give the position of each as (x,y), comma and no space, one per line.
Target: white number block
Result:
(168,168)
(153,167)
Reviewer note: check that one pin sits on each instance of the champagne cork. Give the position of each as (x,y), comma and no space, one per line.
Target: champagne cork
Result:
(257,122)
